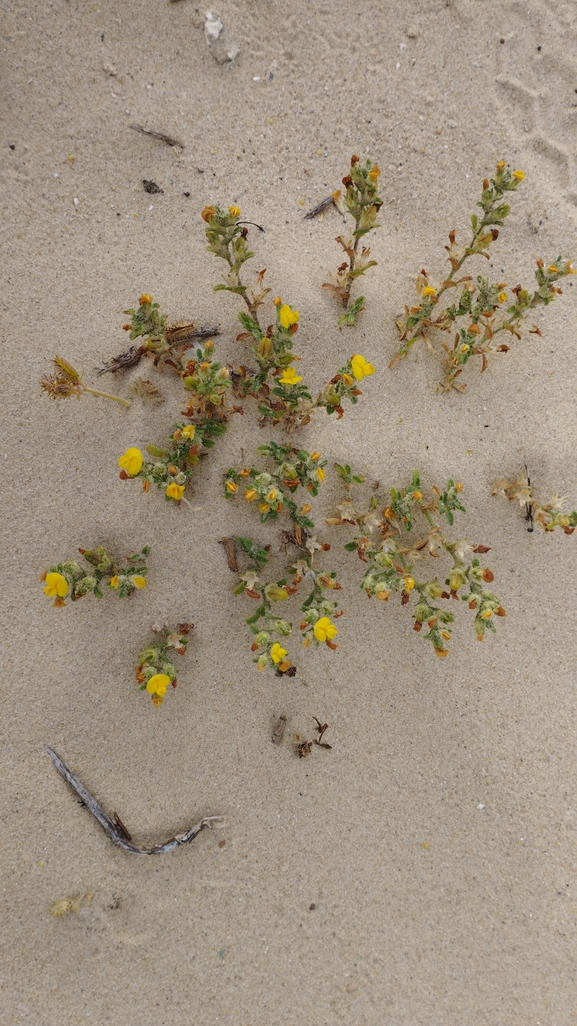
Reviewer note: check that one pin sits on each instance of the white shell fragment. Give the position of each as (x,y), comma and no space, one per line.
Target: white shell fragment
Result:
(218,38)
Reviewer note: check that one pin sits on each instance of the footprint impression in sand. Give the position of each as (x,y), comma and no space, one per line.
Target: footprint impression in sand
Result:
(536,86)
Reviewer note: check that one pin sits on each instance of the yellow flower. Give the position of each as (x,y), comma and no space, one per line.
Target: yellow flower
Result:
(361,369)
(464,348)
(234,211)
(174,491)
(374,173)
(553,269)
(417,495)
(207,214)
(158,684)
(131,462)
(502,297)
(347,379)
(277,653)
(274,593)
(56,585)
(487,614)
(315,456)
(519,175)
(250,494)
(323,629)
(138,581)
(277,301)
(287,316)
(271,495)
(264,507)
(114,581)
(145,298)
(290,377)
(429,291)
(188,431)
(231,487)
(408,583)
(320,474)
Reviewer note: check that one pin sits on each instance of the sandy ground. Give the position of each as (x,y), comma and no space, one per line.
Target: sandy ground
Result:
(436,838)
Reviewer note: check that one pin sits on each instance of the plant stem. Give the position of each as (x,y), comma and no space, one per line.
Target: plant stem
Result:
(107,395)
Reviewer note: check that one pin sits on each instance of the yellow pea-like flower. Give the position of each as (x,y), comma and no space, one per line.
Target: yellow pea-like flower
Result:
(188,431)
(231,487)
(287,316)
(324,630)
(158,684)
(361,368)
(131,461)
(138,581)
(519,175)
(145,299)
(175,491)
(277,653)
(234,211)
(290,377)
(56,585)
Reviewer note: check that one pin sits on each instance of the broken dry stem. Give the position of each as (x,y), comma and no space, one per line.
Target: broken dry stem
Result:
(115,830)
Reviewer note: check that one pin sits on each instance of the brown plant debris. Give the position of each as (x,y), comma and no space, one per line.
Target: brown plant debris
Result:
(161,136)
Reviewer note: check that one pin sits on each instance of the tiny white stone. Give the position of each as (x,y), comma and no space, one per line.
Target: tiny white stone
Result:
(76,201)
(256,78)
(480,806)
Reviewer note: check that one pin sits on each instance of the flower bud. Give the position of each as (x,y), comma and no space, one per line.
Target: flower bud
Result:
(275,593)
(264,348)
(455,580)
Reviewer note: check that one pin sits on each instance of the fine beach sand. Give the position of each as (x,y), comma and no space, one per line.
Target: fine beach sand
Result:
(436,838)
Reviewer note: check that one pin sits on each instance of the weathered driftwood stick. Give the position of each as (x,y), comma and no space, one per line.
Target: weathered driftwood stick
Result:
(116,830)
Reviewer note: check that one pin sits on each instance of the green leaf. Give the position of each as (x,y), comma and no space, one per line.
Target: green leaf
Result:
(250,325)
(353,312)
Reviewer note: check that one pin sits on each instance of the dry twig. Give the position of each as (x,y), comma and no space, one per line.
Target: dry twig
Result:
(114,827)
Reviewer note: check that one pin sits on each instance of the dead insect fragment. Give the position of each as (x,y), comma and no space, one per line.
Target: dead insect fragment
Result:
(279,729)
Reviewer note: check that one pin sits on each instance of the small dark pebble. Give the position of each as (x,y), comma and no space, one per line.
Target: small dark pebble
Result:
(539,48)
(151,187)
(187,194)
(11,146)
(312,907)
